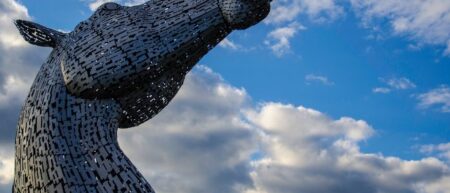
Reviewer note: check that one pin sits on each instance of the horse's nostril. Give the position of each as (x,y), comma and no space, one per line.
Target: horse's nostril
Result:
(241,14)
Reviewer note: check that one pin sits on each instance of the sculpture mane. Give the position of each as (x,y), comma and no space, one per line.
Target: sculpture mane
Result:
(117,69)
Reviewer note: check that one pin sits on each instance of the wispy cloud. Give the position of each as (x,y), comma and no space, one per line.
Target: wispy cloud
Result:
(400,83)
(442,150)
(317,10)
(394,84)
(227,43)
(438,97)
(425,21)
(284,13)
(279,39)
(447,50)
(381,90)
(311,78)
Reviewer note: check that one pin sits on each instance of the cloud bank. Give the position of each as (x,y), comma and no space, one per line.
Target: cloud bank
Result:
(212,139)
(19,63)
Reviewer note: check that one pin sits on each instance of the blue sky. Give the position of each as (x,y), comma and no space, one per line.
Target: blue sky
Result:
(355,66)
(385,63)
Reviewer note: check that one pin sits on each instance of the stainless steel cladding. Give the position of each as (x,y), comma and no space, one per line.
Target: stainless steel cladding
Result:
(117,69)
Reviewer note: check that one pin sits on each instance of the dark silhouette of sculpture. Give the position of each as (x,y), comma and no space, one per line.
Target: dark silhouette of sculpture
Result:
(117,69)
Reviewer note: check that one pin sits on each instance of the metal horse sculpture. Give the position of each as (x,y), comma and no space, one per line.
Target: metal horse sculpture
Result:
(119,68)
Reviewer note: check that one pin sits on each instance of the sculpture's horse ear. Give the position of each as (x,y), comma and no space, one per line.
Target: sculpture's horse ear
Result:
(38,35)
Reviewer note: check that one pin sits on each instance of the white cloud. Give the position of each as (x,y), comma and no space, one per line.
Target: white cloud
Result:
(320,79)
(6,165)
(400,83)
(14,91)
(199,143)
(134,2)
(394,84)
(282,120)
(289,11)
(282,11)
(16,74)
(93,5)
(447,50)
(439,186)
(439,97)
(382,90)
(16,55)
(305,151)
(328,8)
(19,62)
(10,10)
(317,10)
(227,43)
(425,21)
(443,150)
(278,40)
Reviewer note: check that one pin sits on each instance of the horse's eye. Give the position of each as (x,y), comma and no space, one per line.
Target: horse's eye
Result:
(111,6)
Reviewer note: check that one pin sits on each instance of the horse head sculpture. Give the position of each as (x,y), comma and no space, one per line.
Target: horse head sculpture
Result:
(117,69)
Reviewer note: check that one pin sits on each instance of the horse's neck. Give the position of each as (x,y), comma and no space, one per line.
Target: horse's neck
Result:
(51,110)
(69,144)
